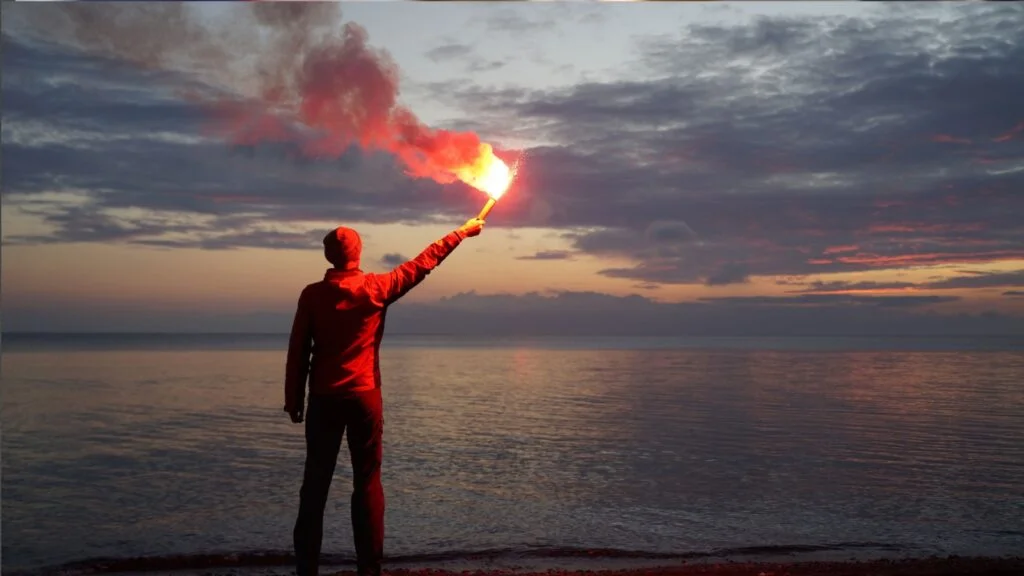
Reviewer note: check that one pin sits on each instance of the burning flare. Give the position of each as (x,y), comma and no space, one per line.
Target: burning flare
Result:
(487,173)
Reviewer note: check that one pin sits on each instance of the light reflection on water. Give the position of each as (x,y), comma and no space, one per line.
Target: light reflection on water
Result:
(116,453)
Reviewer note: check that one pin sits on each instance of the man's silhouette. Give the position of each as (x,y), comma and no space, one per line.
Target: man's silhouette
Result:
(335,342)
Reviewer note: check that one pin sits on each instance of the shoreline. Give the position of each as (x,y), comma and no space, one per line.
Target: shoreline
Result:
(280,565)
(936,566)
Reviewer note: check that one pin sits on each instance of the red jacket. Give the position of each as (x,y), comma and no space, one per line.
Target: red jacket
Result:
(336,334)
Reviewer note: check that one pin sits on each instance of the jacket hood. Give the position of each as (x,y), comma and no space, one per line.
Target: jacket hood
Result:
(343,247)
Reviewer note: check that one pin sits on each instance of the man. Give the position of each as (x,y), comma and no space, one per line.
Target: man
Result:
(335,342)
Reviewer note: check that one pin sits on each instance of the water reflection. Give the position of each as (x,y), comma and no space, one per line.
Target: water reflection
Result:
(136,452)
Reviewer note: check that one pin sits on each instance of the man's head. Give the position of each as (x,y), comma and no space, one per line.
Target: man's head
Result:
(342,248)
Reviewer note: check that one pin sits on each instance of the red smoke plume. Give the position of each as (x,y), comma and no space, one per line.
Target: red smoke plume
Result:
(349,93)
(293,74)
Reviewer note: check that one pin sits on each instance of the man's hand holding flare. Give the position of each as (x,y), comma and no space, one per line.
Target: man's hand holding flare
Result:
(472,227)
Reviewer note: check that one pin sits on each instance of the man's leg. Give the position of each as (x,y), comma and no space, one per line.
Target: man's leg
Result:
(365,444)
(324,429)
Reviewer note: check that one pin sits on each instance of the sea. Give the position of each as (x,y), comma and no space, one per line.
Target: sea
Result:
(165,451)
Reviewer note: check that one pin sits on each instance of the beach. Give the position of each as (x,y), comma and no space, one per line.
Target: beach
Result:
(951,566)
(276,565)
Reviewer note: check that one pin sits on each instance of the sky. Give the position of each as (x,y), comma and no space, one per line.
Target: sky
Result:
(685,168)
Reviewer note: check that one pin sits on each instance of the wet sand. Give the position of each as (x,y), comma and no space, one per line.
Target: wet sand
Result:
(947,566)
(953,566)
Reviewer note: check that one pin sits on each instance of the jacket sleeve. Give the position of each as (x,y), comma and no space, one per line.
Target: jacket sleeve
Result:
(299,348)
(391,286)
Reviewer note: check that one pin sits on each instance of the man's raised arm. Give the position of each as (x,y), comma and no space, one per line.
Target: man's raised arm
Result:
(399,281)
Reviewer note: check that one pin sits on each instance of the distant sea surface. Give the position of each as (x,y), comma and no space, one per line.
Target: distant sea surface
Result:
(175,447)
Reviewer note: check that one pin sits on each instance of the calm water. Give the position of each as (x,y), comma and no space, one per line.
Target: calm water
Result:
(118,448)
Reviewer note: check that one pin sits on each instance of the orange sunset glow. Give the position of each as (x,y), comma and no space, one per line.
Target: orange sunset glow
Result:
(218,179)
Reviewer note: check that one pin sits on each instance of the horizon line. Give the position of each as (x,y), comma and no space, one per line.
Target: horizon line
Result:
(512,335)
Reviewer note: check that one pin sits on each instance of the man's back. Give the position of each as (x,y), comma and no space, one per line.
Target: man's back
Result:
(339,324)
(346,312)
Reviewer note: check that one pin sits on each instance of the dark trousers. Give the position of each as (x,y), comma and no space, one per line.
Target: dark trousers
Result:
(327,417)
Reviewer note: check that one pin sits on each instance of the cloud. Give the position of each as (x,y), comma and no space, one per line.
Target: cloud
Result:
(786,158)
(450,51)
(836,299)
(559,314)
(458,51)
(729,273)
(139,166)
(981,280)
(967,279)
(479,65)
(589,313)
(780,147)
(517,23)
(548,255)
(393,260)
(819,286)
(153,90)
(1014,293)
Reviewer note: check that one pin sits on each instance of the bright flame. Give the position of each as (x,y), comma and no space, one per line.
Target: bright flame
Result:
(489,173)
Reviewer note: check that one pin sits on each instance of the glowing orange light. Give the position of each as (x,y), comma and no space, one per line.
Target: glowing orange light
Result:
(489,174)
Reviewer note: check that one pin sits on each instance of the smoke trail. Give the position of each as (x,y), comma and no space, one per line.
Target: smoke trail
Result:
(285,62)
